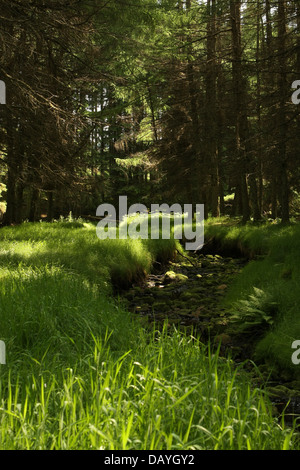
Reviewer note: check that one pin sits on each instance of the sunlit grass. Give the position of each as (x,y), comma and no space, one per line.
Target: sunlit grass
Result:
(169,393)
(276,273)
(82,373)
(75,247)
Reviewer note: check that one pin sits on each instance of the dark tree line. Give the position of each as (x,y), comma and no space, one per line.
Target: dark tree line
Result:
(170,101)
(232,108)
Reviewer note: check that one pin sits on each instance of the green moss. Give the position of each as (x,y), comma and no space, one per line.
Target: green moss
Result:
(171,276)
(283,392)
(160,306)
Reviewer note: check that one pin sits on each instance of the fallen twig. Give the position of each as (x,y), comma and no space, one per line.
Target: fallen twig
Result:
(195,265)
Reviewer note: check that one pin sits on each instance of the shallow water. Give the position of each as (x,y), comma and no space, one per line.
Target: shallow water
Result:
(187,292)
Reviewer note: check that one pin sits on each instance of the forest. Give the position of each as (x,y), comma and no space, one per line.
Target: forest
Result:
(111,98)
(140,344)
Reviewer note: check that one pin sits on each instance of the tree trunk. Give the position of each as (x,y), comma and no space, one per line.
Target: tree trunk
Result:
(33,205)
(211,108)
(195,162)
(282,121)
(270,89)
(240,104)
(11,160)
(258,111)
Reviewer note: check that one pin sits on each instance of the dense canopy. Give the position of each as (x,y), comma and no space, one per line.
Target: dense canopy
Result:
(177,101)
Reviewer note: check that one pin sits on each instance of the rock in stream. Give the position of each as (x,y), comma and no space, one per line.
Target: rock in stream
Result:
(187,293)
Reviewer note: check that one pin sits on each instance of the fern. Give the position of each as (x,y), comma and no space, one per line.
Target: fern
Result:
(258,310)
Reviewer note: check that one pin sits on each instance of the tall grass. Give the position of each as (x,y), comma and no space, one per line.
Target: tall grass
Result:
(75,247)
(268,285)
(57,280)
(169,393)
(82,373)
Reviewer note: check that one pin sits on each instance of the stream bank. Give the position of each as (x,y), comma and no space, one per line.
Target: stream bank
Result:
(187,293)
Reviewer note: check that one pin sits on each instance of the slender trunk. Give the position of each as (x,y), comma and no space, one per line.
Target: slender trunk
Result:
(220,124)
(153,121)
(50,211)
(211,108)
(19,203)
(195,163)
(258,111)
(221,195)
(282,121)
(270,89)
(238,84)
(10,214)
(237,206)
(33,205)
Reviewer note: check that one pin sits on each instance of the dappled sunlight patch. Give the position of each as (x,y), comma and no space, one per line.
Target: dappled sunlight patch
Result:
(22,251)
(13,276)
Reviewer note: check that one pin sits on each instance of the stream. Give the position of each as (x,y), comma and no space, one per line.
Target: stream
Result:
(188,293)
